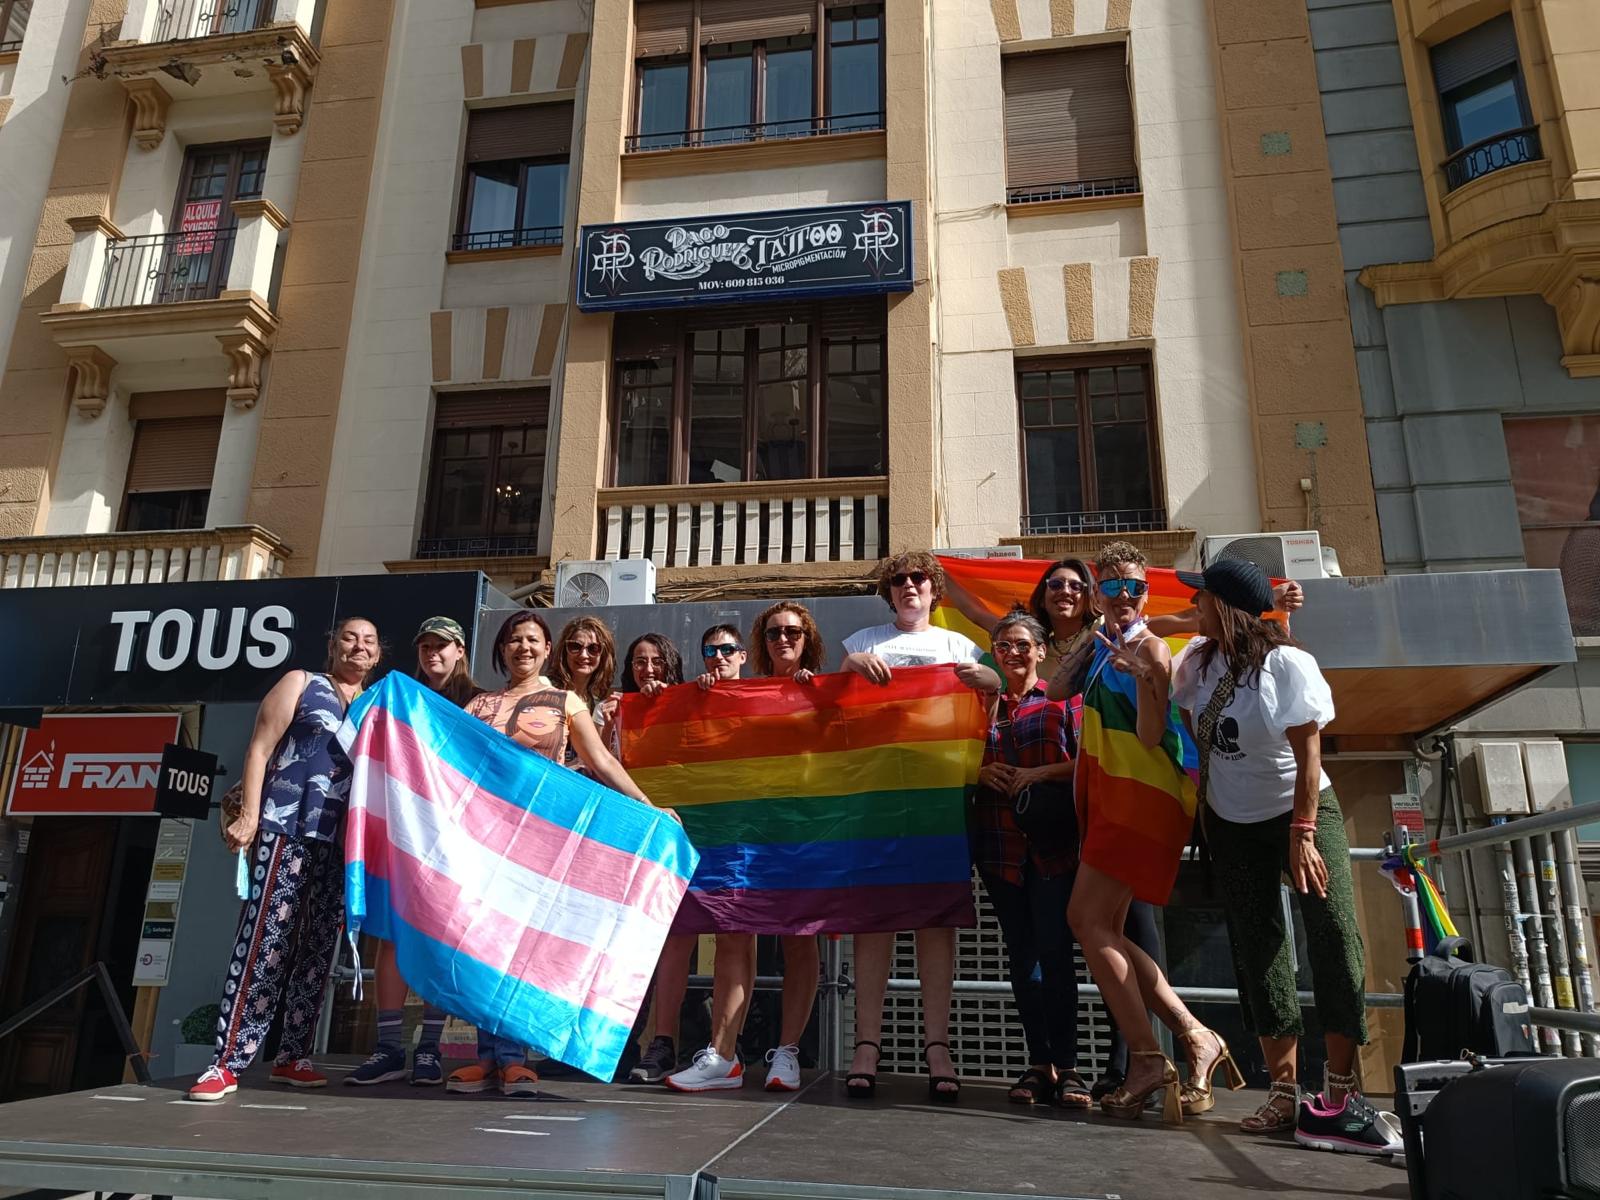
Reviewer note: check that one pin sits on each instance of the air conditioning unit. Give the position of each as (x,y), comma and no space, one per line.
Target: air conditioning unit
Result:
(1280,555)
(599,584)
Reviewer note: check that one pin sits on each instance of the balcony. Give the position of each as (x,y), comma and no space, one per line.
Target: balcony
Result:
(756,131)
(744,524)
(160,297)
(175,556)
(1492,154)
(1082,534)
(1102,191)
(754,145)
(208,49)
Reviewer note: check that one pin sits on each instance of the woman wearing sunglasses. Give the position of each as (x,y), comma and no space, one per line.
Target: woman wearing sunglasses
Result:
(1136,805)
(787,646)
(586,666)
(912,585)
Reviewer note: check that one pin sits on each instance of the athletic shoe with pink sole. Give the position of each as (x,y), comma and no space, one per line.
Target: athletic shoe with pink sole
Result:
(1354,1126)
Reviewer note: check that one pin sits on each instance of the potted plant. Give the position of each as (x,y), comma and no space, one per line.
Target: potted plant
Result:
(197,1038)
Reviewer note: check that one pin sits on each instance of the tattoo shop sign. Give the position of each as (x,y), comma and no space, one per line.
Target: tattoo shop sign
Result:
(838,250)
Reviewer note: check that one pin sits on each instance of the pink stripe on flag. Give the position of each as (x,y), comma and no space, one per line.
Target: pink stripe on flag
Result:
(515,833)
(433,904)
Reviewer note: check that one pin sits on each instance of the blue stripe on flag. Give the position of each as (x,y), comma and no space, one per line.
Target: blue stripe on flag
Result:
(870,861)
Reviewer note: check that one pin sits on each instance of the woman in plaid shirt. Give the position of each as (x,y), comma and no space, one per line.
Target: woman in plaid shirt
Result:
(1029,879)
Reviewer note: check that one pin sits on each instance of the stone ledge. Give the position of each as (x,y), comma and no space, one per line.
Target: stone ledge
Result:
(1163,547)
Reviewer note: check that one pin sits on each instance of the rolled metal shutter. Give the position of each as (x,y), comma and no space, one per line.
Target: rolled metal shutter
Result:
(480,410)
(724,21)
(1479,50)
(661,27)
(527,131)
(174,454)
(1068,117)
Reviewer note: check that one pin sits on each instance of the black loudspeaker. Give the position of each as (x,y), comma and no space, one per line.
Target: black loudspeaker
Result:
(1506,1129)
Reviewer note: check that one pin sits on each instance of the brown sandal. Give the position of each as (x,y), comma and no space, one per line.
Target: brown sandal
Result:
(1271,1118)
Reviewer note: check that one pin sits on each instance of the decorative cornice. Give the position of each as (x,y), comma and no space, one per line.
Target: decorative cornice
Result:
(248,210)
(245,352)
(150,105)
(290,82)
(92,222)
(91,379)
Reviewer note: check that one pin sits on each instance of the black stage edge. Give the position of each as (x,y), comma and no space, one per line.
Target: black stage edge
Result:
(588,1140)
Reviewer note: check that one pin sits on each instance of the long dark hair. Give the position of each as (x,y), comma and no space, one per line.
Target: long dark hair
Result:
(599,686)
(669,653)
(1036,605)
(1245,643)
(526,617)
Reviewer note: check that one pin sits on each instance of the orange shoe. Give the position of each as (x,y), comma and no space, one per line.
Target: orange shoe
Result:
(479,1077)
(518,1080)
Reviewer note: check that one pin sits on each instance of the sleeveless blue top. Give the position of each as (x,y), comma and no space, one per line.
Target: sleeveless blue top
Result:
(307,785)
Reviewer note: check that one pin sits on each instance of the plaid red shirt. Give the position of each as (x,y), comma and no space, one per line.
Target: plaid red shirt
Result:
(1042,731)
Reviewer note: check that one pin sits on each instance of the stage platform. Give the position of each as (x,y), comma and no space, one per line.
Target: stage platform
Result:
(587,1140)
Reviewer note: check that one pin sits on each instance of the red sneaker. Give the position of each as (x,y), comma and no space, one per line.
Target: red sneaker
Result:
(299,1073)
(216,1083)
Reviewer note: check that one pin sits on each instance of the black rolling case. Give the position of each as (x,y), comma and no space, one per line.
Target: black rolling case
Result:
(1501,1129)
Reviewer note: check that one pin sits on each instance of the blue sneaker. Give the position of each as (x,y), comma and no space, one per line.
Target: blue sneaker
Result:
(425,1068)
(384,1065)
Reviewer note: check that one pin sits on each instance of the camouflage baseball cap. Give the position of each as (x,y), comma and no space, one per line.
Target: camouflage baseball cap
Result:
(444,627)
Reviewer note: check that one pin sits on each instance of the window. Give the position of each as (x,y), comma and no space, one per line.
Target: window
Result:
(1555,471)
(174,454)
(1088,446)
(751,397)
(1069,124)
(13,22)
(1483,102)
(754,71)
(515,190)
(486,481)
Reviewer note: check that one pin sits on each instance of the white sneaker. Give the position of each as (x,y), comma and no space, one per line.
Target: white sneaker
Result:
(710,1072)
(783,1069)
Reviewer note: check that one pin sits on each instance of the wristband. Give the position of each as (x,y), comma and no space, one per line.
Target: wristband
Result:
(1300,826)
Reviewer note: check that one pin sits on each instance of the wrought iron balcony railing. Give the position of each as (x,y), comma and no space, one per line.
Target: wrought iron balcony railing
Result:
(1122,520)
(1492,154)
(502,546)
(757,131)
(182,20)
(166,268)
(1077,189)
(507,239)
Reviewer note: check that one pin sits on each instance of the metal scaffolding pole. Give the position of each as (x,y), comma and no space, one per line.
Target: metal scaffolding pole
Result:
(1533,930)
(1549,910)
(1566,849)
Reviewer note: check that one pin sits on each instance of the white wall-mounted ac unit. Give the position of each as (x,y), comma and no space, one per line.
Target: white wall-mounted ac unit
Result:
(1280,555)
(599,584)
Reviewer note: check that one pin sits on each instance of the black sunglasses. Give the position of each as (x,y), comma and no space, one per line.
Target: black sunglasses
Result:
(726,649)
(917,577)
(784,633)
(584,648)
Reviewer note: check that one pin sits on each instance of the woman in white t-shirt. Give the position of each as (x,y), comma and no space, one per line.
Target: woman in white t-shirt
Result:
(1256,704)
(911,584)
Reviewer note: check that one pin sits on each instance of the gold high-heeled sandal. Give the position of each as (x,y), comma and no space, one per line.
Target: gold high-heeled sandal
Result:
(1199,1095)
(1129,1104)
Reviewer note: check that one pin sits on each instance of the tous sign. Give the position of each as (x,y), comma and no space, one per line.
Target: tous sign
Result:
(212,642)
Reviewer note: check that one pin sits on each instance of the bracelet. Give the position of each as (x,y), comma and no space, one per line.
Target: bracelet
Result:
(1302,826)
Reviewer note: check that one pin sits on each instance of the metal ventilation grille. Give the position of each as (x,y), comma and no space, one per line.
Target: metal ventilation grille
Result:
(985,1037)
(1582,1124)
(1266,552)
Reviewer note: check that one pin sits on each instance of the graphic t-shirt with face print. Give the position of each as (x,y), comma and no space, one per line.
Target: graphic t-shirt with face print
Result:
(537,720)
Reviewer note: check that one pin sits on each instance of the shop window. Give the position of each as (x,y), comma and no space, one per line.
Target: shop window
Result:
(1483,101)
(486,480)
(13,23)
(515,181)
(754,71)
(1555,471)
(175,437)
(752,398)
(1089,454)
(1068,124)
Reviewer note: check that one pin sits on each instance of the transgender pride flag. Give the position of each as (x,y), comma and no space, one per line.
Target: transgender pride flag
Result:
(519,895)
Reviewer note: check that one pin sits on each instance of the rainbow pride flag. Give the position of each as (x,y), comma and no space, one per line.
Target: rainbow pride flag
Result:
(830,807)
(520,896)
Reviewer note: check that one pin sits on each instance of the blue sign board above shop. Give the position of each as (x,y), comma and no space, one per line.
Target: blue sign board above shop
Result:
(837,250)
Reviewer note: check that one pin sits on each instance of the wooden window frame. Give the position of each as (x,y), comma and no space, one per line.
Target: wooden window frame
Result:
(237,151)
(694,129)
(1082,365)
(7,9)
(469,181)
(430,527)
(682,349)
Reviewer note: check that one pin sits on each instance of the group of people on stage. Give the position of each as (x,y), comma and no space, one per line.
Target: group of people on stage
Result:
(1094,729)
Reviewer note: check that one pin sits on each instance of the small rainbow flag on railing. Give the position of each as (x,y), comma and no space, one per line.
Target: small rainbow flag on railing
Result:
(831,807)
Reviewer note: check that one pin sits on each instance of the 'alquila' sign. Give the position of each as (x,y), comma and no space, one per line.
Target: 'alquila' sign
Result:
(833,251)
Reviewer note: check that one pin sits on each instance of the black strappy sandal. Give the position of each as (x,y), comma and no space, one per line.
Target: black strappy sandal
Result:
(1032,1087)
(1072,1092)
(871,1080)
(935,1093)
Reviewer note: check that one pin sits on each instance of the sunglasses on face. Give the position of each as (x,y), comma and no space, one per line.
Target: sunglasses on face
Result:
(644,664)
(1075,587)
(917,577)
(726,649)
(1132,588)
(583,649)
(1021,646)
(784,633)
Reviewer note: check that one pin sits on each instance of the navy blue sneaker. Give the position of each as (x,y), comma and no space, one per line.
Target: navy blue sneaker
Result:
(384,1065)
(425,1068)
(1354,1127)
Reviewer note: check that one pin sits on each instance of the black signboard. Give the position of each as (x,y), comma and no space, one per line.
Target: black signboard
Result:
(183,788)
(194,643)
(837,250)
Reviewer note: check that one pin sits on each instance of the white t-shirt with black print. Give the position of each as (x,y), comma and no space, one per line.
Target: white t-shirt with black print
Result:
(1252,769)
(925,648)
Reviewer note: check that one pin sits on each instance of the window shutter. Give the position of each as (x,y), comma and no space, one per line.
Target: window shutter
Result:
(661,27)
(724,21)
(480,410)
(174,454)
(529,131)
(1068,117)
(188,402)
(1488,47)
